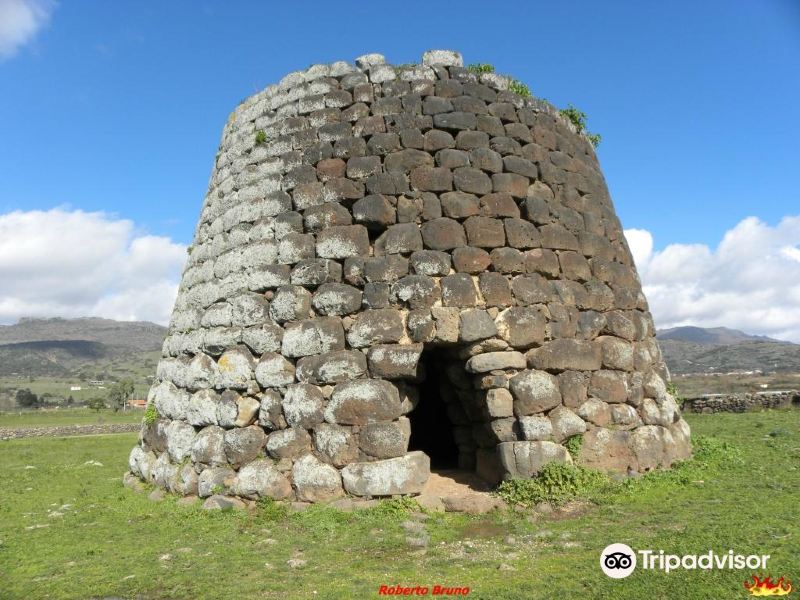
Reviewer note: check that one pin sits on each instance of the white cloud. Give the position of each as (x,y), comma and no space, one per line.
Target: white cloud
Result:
(20,20)
(751,281)
(71,263)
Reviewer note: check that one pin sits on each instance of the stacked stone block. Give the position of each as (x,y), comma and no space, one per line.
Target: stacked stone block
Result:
(360,216)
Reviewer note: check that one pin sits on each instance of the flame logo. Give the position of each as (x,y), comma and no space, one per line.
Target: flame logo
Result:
(767,587)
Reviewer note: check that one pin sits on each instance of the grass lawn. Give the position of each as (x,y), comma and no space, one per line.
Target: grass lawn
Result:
(67,416)
(70,530)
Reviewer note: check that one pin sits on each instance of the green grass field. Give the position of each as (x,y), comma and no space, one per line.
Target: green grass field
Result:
(69,529)
(67,416)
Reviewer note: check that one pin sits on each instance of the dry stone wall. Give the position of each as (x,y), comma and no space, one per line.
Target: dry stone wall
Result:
(360,217)
(712,403)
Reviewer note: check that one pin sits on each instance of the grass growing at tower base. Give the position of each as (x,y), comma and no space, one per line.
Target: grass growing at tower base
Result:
(68,529)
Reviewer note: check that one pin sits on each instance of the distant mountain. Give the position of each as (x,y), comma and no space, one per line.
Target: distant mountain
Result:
(59,347)
(721,350)
(711,336)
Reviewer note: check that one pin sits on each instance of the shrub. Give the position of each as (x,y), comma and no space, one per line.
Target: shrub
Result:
(573,445)
(520,88)
(271,510)
(555,483)
(96,403)
(150,414)
(397,507)
(261,136)
(578,119)
(480,68)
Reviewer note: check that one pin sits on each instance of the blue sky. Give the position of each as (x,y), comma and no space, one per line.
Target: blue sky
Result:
(118,106)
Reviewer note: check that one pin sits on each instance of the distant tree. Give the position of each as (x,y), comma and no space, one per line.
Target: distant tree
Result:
(96,404)
(27,398)
(120,393)
(70,400)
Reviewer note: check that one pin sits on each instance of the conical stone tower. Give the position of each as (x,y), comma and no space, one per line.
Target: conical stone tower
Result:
(399,266)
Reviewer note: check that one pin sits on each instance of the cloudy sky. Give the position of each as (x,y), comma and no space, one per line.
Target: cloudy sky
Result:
(111,114)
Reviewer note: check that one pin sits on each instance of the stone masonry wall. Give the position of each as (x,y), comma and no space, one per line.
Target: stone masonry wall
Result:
(742,402)
(358,216)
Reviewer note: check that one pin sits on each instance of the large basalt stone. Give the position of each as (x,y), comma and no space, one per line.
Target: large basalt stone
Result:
(260,479)
(534,392)
(379,326)
(288,443)
(607,450)
(492,361)
(180,439)
(215,480)
(526,459)
(169,401)
(394,361)
(404,475)
(302,405)
(316,481)
(235,368)
(363,401)
(274,371)
(332,367)
(566,354)
(385,440)
(202,408)
(243,444)
(312,336)
(335,444)
(209,446)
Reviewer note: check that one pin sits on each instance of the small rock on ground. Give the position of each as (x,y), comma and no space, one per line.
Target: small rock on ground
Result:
(218,502)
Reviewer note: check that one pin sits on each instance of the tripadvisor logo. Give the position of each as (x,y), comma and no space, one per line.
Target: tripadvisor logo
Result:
(619,560)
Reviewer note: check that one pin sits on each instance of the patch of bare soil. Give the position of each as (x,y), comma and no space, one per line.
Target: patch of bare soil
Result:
(458,491)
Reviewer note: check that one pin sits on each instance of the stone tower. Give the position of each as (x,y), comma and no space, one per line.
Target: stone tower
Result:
(399,266)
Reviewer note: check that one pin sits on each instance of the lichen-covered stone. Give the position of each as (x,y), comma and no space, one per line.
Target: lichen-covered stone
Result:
(290,303)
(403,475)
(384,440)
(209,446)
(260,479)
(536,429)
(526,459)
(302,405)
(180,439)
(332,367)
(534,392)
(316,481)
(312,336)
(243,444)
(214,480)
(376,327)
(274,371)
(492,361)
(363,401)
(270,411)
(565,423)
(566,354)
(235,368)
(335,444)
(336,299)
(288,443)
(394,361)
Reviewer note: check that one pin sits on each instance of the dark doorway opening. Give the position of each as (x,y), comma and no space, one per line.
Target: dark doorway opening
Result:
(431,428)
